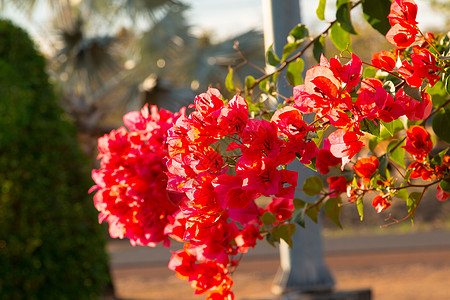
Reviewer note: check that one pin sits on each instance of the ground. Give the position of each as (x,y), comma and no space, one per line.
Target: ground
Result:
(408,272)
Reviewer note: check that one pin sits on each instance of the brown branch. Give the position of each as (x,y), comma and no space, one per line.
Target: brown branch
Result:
(410,214)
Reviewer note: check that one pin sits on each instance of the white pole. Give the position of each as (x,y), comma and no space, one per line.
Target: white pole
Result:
(302,268)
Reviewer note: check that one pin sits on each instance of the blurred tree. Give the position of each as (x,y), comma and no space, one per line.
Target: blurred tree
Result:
(108,57)
(51,246)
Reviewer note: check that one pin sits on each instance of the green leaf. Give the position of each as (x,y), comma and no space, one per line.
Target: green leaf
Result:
(369,72)
(415,93)
(268,218)
(340,38)
(343,16)
(229,83)
(320,11)
(441,125)
(270,239)
(407,175)
(332,209)
(445,185)
(383,165)
(447,84)
(272,58)
(264,85)
(299,203)
(375,12)
(284,232)
(373,142)
(249,82)
(289,48)
(438,94)
(312,165)
(391,128)
(438,159)
(370,126)
(410,123)
(313,212)
(398,155)
(299,32)
(318,139)
(299,217)
(412,202)
(402,194)
(360,207)
(319,47)
(294,72)
(275,77)
(313,185)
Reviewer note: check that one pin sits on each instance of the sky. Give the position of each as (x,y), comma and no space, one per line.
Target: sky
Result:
(227,18)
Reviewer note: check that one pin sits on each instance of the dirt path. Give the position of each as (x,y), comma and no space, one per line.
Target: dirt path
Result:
(399,275)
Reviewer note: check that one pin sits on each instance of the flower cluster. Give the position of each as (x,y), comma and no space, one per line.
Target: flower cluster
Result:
(402,18)
(131,182)
(419,145)
(200,178)
(222,161)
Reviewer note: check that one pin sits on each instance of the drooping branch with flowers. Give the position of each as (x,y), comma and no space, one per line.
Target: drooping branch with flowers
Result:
(198,178)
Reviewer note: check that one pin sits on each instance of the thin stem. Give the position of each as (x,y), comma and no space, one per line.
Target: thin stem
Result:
(418,185)
(411,213)
(394,164)
(236,47)
(428,42)
(318,202)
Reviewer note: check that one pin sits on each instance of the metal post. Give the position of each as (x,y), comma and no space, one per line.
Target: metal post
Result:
(302,269)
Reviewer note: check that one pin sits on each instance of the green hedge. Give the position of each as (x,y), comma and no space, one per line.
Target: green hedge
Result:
(51,245)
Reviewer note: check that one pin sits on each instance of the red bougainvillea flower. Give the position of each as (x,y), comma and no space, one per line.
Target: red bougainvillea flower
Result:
(325,159)
(380,203)
(418,142)
(176,226)
(326,92)
(208,276)
(247,238)
(423,67)
(441,194)
(131,182)
(400,36)
(230,192)
(290,125)
(354,192)
(384,60)
(349,74)
(402,18)
(344,145)
(281,207)
(424,64)
(321,91)
(337,184)
(415,110)
(366,167)
(218,244)
(421,170)
(407,71)
(403,12)
(375,102)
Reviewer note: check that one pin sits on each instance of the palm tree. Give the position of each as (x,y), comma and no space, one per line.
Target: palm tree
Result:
(108,57)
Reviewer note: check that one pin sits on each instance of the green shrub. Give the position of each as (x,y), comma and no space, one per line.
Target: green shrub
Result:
(51,246)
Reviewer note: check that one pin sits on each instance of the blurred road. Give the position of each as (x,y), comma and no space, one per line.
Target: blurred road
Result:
(394,266)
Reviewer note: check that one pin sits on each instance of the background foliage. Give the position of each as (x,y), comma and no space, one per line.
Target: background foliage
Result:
(51,246)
